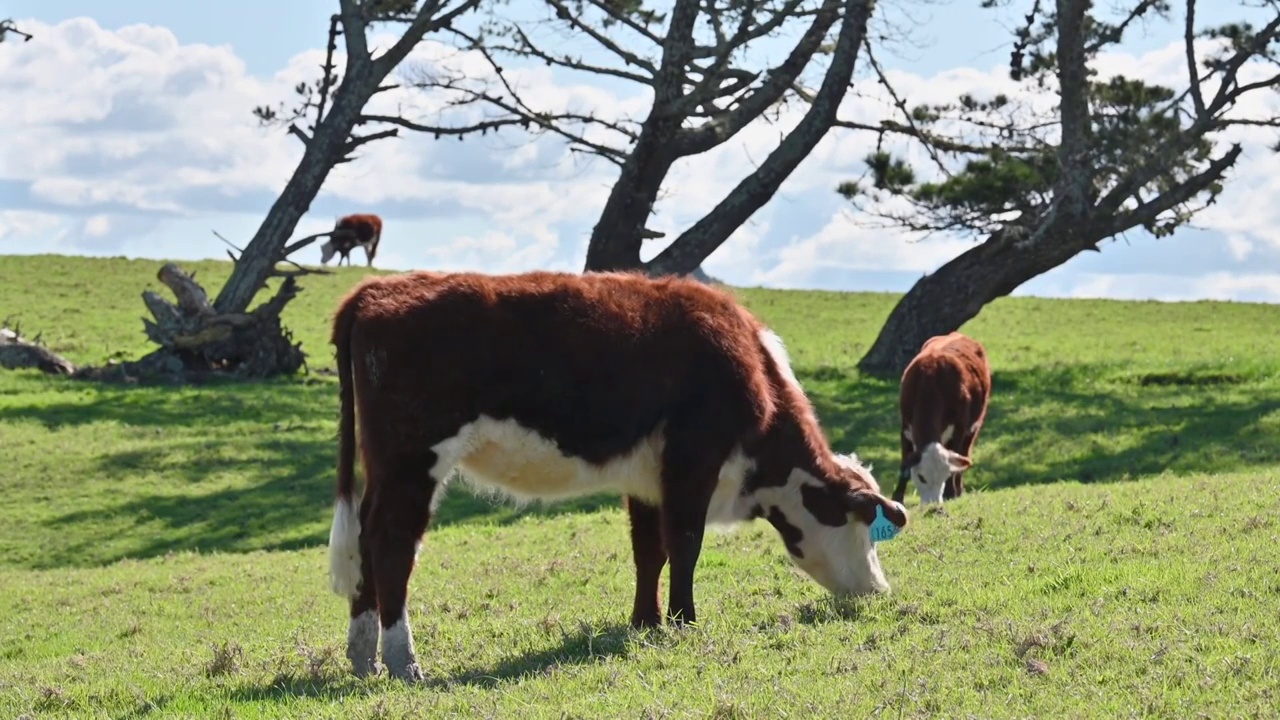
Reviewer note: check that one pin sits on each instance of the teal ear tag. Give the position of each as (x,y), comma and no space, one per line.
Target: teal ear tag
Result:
(882,530)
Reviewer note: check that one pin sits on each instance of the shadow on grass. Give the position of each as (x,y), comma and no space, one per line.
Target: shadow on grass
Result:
(586,645)
(215,404)
(246,467)
(250,466)
(1082,423)
(580,647)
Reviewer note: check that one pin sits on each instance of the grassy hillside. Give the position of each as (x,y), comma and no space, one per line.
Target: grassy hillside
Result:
(163,549)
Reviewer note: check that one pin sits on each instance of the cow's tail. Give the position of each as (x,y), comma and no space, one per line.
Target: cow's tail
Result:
(344,534)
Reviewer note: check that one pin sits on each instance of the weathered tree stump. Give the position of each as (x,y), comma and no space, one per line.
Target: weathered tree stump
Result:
(195,342)
(16,352)
(243,345)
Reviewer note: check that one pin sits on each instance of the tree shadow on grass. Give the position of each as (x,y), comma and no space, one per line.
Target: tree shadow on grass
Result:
(1083,423)
(216,404)
(244,468)
(251,469)
(583,646)
(288,508)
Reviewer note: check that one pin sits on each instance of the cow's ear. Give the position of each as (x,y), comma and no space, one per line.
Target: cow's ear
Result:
(863,504)
(957,462)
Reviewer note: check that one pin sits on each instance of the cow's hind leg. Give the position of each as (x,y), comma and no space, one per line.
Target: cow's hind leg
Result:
(401,514)
(650,557)
(362,632)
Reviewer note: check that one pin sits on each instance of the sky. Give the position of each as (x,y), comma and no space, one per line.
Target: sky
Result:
(128,132)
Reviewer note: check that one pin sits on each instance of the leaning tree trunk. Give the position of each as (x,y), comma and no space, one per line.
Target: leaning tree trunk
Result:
(955,293)
(197,337)
(324,150)
(618,235)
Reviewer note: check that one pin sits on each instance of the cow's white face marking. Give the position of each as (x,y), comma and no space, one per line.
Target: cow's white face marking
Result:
(937,463)
(841,559)
(504,457)
(327,251)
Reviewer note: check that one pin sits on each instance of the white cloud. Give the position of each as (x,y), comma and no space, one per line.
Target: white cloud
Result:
(1252,287)
(844,245)
(16,224)
(126,135)
(97,226)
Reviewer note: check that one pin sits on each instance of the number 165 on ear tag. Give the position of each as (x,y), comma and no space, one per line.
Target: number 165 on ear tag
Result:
(882,529)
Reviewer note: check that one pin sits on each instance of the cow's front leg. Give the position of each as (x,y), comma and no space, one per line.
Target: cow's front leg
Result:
(649,556)
(689,476)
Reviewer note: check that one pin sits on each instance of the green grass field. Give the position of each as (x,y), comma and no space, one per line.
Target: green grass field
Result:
(162,550)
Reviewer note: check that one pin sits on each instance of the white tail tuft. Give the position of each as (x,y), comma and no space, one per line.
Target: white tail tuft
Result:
(344,550)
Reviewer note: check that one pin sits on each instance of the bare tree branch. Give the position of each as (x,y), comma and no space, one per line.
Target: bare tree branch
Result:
(746,34)
(358,140)
(1115,33)
(1193,70)
(711,85)
(529,48)
(1231,68)
(677,50)
(614,10)
(716,131)
(1146,213)
(901,105)
(630,58)
(297,245)
(425,22)
(300,133)
(695,244)
(7,26)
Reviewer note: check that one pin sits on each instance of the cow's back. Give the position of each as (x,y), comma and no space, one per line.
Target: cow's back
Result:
(949,377)
(594,361)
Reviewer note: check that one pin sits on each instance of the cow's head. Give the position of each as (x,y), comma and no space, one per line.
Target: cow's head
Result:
(327,251)
(340,236)
(931,466)
(826,522)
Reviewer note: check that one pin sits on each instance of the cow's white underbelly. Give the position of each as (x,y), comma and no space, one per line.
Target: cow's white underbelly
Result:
(506,457)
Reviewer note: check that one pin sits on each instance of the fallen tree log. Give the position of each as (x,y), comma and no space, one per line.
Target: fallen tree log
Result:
(196,343)
(16,352)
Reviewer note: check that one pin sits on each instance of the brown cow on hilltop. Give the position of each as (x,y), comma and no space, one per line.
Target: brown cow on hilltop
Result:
(350,232)
(943,402)
(552,385)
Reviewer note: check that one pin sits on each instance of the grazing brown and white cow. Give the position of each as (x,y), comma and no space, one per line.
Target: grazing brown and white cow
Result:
(552,385)
(350,232)
(943,402)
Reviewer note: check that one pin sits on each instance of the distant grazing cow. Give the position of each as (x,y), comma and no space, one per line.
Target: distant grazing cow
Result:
(349,233)
(943,401)
(553,385)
